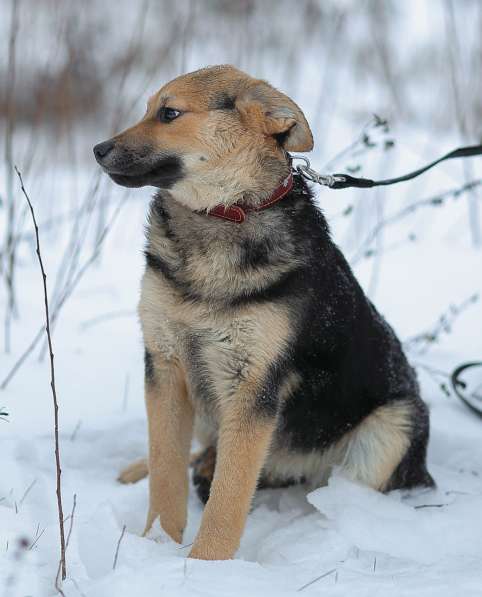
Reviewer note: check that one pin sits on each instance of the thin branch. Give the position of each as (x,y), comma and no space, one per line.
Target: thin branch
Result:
(459,90)
(27,491)
(57,578)
(443,325)
(37,537)
(118,547)
(436,201)
(363,142)
(10,245)
(439,377)
(308,584)
(60,303)
(76,430)
(422,506)
(52,382)
(106,317)
(75,272)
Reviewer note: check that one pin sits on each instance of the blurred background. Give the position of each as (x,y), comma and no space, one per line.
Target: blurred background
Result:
(386,86)
(70,67)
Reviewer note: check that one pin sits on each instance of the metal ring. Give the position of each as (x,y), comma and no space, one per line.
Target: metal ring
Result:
(303,158)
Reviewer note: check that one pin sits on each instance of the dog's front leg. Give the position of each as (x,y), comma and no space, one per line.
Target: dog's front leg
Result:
(170,422)
(243,445)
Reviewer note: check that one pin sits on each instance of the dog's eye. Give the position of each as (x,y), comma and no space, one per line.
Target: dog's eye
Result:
(168,114)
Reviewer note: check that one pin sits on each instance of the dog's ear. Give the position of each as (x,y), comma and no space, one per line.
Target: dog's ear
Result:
(262,105)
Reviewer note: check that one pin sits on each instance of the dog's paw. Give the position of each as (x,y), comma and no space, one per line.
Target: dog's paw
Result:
(203,471)
(156,533)
(134,472)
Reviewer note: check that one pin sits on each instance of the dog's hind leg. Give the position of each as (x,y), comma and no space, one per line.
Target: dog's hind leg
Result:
(134,472)
(412,470)
(372,452)
(203,465)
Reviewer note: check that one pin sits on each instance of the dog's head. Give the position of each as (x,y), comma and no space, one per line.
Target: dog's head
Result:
(213,136)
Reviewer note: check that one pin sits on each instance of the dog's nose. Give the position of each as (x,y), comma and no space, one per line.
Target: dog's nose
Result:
(102,149)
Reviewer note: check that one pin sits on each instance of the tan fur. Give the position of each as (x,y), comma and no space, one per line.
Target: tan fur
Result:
(170,419)
(369,453)
(385,432)
(204,137)
(242,449)
(134,472)
(238,347)
(378,444)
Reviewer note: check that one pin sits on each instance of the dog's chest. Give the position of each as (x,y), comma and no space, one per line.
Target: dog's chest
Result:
(211,261)
(220,349)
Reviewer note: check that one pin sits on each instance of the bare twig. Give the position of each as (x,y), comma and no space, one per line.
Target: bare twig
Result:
(27,491)
(308,584)
(439,377)
(118,547)
(363,142)
(422,506)
(76,585)
(72,513)
(67,291)
(443,325)
(462,115)
(52,383)
(106,317)
(37,537)
(10,122)
(436,201)
(76,430)
(76,272)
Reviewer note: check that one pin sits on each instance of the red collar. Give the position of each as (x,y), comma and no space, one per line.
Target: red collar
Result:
(236,213)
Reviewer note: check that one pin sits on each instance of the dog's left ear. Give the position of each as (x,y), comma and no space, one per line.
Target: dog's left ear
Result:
(278,115)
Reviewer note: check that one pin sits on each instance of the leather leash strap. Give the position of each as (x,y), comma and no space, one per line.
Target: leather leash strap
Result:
(343,181)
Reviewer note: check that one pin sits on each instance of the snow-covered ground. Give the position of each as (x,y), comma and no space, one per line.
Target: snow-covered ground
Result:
(345,538)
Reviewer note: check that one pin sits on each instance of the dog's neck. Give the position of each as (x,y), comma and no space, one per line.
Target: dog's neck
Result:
(249,182)
(237,213)
(220,260)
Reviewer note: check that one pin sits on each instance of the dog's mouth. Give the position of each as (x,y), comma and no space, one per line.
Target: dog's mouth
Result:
(163,174)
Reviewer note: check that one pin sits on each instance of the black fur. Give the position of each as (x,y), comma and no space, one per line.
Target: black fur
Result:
(348,358)
(222,101)
(132,170)
(202,485)
(148,367)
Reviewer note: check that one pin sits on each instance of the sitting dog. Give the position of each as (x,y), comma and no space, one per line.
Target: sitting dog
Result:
(258,337)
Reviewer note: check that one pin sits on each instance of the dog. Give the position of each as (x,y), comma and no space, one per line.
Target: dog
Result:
(258,338)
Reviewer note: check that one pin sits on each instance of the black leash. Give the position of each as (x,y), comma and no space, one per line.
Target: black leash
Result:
(472,400)
(344,181)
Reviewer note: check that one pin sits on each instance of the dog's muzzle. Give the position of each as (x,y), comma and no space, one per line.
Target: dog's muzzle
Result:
(139,166)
